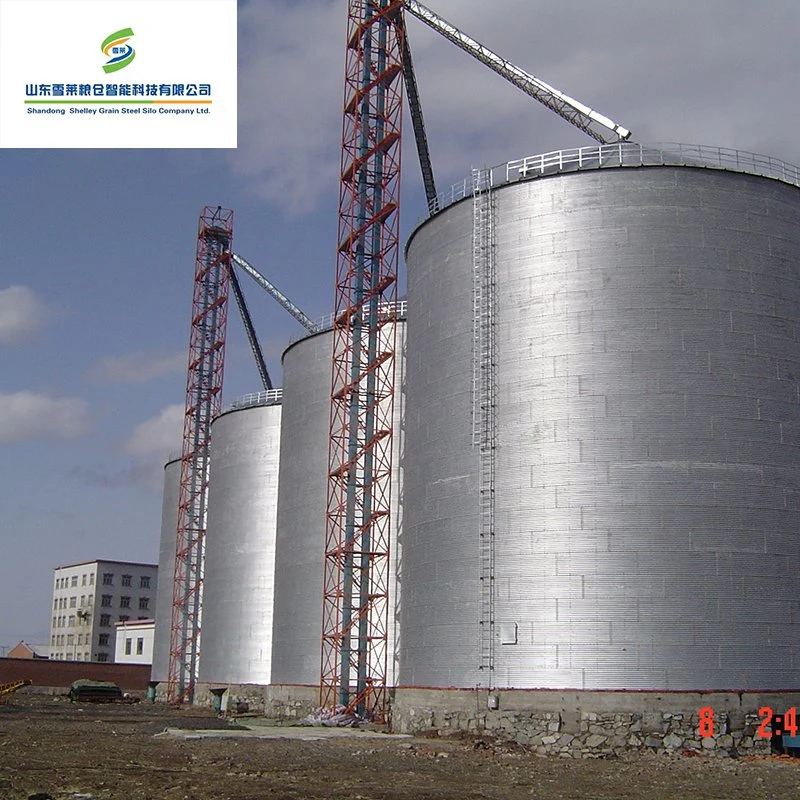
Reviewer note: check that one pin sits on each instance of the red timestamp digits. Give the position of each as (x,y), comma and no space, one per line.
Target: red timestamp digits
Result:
(771,724)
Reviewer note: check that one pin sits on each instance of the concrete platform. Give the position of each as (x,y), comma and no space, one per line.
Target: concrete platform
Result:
(305,733)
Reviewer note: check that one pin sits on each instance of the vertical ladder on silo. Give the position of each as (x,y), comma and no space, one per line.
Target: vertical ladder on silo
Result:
(483,404)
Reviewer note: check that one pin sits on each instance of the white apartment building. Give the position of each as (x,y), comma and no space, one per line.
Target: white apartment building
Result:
(90,598)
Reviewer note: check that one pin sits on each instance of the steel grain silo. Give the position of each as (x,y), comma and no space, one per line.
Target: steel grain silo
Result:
(236,638)
(645,461)
(302,506)
(166,569)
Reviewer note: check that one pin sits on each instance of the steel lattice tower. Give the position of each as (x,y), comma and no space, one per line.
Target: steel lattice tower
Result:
(203,403)
(356,582)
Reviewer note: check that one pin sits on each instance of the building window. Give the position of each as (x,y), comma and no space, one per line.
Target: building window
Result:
(102,640)
(139,646)
(53,640)
(70,638)
(102,657)
(91,583)
(105,620)
(124,602)
(144,603)
(105,600)
(55,620)
(128,643)
(108,579)
(123,617)
(74,580)
(73,602)
(71,620)
(69,656)
(80,639)
(142,617)
(83,599)
(126,580)
(144,582)
(91,599)
(83,580)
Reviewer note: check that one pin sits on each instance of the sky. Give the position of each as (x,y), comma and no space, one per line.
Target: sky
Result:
(97,246)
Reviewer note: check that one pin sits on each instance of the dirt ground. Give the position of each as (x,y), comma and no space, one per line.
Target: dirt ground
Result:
(53,748)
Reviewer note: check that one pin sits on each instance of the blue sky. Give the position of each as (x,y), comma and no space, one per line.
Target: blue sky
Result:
(97,246)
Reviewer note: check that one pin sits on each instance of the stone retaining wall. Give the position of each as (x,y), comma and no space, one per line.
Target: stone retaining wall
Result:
(570,724)
(595,724)
(275,702)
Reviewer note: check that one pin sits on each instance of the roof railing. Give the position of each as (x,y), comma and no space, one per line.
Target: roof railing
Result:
(253,399)
(624,154)
(326,323)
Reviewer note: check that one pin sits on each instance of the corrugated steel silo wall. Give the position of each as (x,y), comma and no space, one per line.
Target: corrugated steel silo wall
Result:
(236,639)
(302,503)
(648,459)
(166,569)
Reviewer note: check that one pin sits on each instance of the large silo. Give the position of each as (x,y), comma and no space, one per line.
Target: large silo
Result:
(300,548)
(644,483)
(236,638)
(166,569)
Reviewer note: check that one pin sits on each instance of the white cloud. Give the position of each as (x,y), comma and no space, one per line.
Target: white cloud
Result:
(138,367)
(159,436)
(28,415)
(22,314)
(290,90)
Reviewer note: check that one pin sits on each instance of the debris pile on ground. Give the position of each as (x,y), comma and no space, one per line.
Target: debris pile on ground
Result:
(339,717)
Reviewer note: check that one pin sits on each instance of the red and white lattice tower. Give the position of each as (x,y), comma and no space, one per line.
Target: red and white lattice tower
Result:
(356,583)
(203,403)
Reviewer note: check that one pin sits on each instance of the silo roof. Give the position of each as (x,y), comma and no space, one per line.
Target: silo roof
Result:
(620,154)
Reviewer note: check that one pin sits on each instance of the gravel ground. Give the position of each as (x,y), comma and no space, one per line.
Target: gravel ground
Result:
(51,747)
